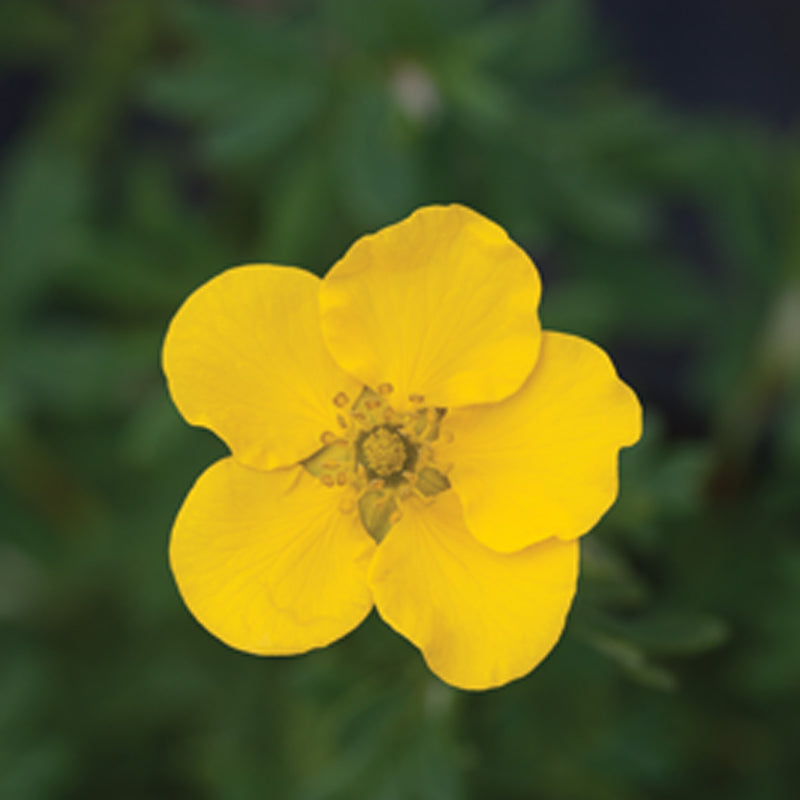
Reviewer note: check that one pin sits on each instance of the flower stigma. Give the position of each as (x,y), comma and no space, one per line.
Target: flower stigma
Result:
(380,457)
(385,453)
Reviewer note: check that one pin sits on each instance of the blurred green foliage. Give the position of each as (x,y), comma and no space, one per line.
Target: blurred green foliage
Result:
(148,145)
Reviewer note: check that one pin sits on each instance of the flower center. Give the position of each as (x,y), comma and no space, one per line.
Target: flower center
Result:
(384,452)
(380,457)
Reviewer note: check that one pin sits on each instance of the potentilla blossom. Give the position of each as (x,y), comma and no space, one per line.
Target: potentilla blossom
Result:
(403,435)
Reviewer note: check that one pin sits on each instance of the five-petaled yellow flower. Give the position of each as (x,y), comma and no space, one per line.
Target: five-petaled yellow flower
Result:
(403,434)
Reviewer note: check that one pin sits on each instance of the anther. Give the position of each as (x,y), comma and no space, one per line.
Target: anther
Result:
(385,388)
(328,437)
(341,400)
(416,398)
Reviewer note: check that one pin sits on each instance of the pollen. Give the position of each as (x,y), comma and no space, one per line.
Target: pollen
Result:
(341,400)
(385,389)
(418,399)
(384,451)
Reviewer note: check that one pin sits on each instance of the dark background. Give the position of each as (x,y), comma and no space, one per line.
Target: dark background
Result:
(645,154)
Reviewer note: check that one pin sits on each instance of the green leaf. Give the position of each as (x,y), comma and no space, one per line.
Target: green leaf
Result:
(375,164)
(271,119)
(43,209)
(633,662)
(668,632)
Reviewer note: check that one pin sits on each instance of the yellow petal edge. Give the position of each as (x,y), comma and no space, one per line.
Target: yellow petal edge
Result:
(267,563)
(442,305)
(480,618)
(244,357)
(544,462)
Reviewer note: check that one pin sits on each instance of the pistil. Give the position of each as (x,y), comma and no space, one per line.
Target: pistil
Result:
(380,457)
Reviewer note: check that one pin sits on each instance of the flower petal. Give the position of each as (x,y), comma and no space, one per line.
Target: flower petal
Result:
(244,357)
(442,305)
(266,561)
(481,618)
(543,462)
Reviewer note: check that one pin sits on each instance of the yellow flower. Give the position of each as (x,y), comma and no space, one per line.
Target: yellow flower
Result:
(403,434)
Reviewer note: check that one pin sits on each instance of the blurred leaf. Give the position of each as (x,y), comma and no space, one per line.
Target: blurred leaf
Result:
(660,483)
(278,114)
(151,430)
(745,203)
(296,210)
(75,372)
(35,772)
(31,29)
(245,117)
(43,209)
(21,580)
(668,632)
(556,37)
(633,661)
(376,167)
(598,206)
(609,577)
(484,101)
